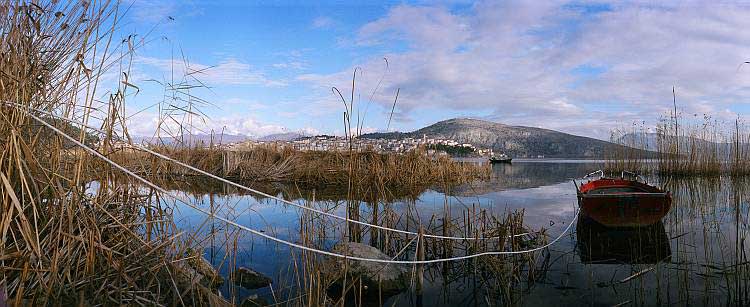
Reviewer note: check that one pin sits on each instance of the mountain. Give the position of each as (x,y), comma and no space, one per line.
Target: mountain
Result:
(287,136)
(650,141)
(516,141)
(193,139)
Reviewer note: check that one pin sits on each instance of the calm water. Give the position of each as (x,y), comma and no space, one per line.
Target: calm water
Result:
(695,256)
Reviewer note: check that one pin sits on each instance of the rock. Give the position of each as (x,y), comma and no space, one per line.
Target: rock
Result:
(208,276)
(199,275)
(250,279)
(198,271)
(389,277)
(253,301)
(3,293)
(210,297)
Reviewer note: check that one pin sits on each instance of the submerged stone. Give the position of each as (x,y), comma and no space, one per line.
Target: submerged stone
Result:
(250,279)
(198,271)
(254,301)
(384,278)
(208,275)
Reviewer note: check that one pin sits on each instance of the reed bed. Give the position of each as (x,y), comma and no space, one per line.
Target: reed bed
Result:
(371,173)
(707,229)
(66,240)
(313,280)
(695,146)
(75,231)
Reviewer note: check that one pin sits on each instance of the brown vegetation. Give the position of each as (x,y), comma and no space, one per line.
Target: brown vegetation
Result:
(63,244)
(684,147)
(371,173)
(69,240)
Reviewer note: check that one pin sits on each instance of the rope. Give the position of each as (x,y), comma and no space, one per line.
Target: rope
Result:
(224,180)
(281,241)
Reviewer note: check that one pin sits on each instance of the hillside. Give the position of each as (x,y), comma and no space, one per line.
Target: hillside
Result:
(517,141)
(286,136)
(192,139)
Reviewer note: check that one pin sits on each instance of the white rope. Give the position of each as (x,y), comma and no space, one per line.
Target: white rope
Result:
(269,237)
(224,180)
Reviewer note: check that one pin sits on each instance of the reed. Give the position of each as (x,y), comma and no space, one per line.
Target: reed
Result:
(316,280)
(371,172)
(66,240)
(694,146)
(75,231)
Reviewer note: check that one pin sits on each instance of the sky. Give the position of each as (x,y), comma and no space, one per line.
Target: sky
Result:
(581,67)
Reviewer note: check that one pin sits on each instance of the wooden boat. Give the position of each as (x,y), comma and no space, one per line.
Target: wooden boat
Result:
(502,158)
(626,201)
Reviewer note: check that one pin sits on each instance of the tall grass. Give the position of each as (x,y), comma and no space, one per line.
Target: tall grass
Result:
(379,173)
(369,172)
(312,279)
(64,239)
(677,146)
(74,231)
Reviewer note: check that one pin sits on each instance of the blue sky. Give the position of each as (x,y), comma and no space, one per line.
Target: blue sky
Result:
(579,67)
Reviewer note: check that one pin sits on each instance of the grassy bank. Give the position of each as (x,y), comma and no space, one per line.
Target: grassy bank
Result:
(363,173)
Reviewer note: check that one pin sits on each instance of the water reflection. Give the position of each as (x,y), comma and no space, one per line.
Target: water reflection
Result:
(696,254)
(633,245)
(525,175)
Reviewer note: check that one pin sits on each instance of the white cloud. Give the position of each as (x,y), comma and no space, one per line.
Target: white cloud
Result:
(309,131)
(247,126)
(162,11)
(322,22)
(294,65)
(229,71)
(551,64)
(145,124)
(292,60)
(431,28)
(246,104)
(148,11)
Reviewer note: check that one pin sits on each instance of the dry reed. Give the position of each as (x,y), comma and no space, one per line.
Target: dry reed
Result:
(695,146)
(66,240)
(371,173)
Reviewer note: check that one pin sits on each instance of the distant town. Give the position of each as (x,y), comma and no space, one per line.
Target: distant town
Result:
(336,143)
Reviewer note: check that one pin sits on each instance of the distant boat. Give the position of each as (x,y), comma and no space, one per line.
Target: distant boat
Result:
(502,158)
(625,201)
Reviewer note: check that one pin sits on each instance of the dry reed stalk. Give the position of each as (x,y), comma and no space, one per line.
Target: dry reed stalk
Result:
(64,240)
(370,173)
(698,146)
(311,275)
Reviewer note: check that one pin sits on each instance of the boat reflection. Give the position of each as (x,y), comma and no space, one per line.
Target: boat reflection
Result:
(633,245)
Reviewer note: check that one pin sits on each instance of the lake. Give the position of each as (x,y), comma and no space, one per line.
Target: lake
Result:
(696,255)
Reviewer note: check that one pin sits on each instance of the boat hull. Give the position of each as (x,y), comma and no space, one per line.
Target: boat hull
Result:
(625,210)
(506,160)
(623,203)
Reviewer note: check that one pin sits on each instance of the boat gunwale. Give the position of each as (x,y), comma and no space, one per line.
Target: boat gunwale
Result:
(604,182)
(626,194)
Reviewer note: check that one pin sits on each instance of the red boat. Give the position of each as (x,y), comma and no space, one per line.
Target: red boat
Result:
(627,201)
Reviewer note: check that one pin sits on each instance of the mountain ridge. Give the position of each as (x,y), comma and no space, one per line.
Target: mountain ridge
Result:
(284,136)
(517,141)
